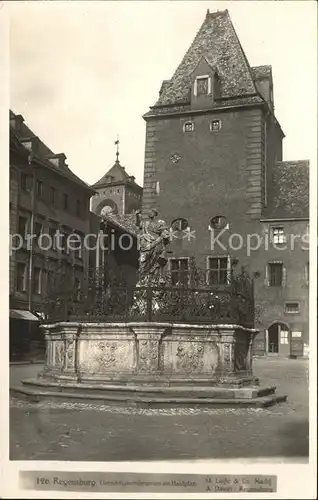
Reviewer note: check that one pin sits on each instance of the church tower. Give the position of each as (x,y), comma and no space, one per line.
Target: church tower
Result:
(117,193)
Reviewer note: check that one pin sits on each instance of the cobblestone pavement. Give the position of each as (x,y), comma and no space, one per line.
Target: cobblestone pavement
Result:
(79,431)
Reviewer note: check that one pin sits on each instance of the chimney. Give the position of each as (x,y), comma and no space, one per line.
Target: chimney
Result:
(58,160)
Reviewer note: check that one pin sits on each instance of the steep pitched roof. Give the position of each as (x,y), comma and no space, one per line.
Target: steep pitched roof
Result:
(289,190)
(43,152)
(126,223)
(115,175)
(218,42)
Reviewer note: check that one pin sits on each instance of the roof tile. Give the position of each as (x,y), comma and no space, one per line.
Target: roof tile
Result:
(217,41)
(289,191)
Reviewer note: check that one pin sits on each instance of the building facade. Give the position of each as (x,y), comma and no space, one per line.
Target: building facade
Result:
(46,197)
(215,172)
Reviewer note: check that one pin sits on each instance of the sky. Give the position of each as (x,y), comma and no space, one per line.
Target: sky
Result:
(82,73)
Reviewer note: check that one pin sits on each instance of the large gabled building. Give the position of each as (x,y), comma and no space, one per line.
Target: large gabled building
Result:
(45,197)
(214,170)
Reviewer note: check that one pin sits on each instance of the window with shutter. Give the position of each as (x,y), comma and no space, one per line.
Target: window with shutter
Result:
(275,274)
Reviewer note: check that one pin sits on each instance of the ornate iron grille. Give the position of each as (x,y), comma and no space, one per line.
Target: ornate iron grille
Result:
(193,301)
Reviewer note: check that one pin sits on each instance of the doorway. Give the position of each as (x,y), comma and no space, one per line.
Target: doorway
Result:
(278,341)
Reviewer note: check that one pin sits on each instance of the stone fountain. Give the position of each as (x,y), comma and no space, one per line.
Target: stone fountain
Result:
(160,344)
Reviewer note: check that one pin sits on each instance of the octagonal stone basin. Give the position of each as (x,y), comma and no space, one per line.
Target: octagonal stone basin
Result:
(149,353)
(149,364)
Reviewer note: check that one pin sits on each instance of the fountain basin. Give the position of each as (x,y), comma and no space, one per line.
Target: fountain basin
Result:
(149,364)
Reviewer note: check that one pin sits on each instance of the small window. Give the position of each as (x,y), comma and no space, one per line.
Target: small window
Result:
(218,271)
(77,286)
(53,195)
(292,307)
(156,187)
(37,275)
(307,275)
(21,277)
(179,271)
(278,235)
(65,201)
(77,244)
(52,234)
(188,127)
(23,221)
(65,244)
(275,272)
(284,336)
(24,181)
(215,125)
(37,229)
(218,222)
(78,208)
(39,188)
(50,282)
(179,224)
(202,86)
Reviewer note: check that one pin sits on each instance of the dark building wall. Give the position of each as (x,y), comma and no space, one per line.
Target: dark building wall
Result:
(50,215)
(14,195)
(271,301)
(273,137)
(133,198)
(218,173)
(224,173)
(235,172)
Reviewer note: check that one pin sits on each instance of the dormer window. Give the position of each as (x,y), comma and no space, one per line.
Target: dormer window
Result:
(202,85)
(58,160)
(27,144)
(188,127)
(215,125)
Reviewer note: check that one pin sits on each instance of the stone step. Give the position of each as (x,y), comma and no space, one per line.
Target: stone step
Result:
(35,394)
(152,391)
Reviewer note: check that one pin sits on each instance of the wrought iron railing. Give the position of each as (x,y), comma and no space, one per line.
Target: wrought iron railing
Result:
(153,302)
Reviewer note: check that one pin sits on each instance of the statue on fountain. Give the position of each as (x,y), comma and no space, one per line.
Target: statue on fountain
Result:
(153,239)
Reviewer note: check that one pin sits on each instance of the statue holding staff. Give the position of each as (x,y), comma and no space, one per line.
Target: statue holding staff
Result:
(153,238)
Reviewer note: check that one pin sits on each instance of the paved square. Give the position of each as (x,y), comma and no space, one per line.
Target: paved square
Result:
(82,432)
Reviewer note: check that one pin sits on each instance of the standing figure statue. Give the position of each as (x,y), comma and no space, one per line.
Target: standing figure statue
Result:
(154,236)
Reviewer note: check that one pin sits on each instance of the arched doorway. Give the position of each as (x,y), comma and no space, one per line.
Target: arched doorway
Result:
(278,339)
